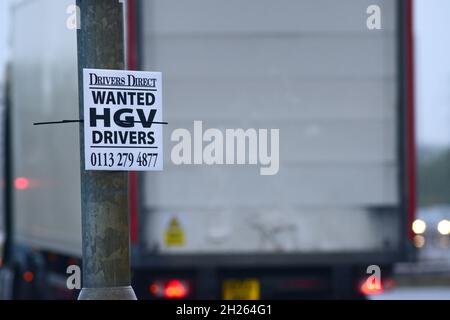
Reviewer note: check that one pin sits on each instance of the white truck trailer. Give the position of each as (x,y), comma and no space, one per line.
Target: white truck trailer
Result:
(339,91)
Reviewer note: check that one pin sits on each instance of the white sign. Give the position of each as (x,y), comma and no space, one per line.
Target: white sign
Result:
(122,120)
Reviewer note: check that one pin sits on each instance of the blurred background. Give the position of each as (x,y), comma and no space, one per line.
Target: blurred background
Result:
(364,119)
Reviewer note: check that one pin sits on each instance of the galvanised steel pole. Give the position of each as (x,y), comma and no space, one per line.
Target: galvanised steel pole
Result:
(104,195)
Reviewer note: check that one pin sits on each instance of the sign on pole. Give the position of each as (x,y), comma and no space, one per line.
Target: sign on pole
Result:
(122,120)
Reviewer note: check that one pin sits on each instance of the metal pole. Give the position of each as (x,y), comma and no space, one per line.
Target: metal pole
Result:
(104,195)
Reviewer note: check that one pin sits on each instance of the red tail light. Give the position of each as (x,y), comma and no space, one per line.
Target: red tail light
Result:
(374,288)
(28,276)
(371,289)
(175,289)
(22,183)
(170,289)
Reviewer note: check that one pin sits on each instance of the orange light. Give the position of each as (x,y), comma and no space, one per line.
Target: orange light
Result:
(175,289)
(22,183)
(371,288)
(28,276)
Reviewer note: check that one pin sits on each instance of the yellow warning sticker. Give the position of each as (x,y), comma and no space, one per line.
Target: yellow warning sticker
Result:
(174,234)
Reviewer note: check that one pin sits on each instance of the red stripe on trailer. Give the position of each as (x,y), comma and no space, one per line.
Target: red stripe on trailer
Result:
(410,118)
(132,52)
(132,57)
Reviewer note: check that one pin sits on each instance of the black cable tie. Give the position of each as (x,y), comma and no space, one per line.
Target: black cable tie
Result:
(73,121)
(56,122)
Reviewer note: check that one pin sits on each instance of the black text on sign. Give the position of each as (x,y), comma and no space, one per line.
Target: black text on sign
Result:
(122,120)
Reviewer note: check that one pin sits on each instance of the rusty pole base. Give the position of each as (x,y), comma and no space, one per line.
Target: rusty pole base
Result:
(111,293)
